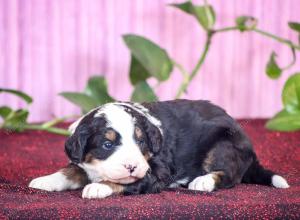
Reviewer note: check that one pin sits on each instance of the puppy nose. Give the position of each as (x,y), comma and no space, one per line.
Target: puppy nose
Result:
(130,168)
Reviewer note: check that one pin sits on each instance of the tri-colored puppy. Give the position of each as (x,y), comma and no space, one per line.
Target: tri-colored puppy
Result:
(131,148)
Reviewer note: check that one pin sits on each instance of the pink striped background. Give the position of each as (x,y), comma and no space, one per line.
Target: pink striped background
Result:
(49,46)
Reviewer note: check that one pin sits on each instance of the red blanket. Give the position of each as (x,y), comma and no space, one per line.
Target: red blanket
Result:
(24,156)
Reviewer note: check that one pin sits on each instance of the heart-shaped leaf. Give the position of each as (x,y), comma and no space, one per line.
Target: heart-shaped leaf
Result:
(291,94)
(205,15)
(137,72)
(185,6)
(16,120)
(97,89)
(85,102)
(22,95)
(272,69)
(284,121)
(246,23)
(153,58)
(295,26)
(143,93)
(5,112)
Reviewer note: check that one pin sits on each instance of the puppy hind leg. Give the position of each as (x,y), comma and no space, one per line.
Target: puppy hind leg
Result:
(224,166)
(206,183)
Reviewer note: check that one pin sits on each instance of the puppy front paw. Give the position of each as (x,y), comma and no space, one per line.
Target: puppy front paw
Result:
(53,182)
(96,190)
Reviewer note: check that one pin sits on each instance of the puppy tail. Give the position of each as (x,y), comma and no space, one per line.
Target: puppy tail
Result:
(257,174)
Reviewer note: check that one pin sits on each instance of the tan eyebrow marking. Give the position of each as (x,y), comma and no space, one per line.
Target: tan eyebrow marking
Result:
(147,156)
(111,135)
(138,132)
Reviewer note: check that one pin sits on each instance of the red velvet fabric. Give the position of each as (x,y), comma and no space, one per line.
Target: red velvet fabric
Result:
(27,155)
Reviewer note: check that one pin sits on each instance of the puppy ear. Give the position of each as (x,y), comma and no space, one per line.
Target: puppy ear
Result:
(154,135)
(74,125)
(76,143)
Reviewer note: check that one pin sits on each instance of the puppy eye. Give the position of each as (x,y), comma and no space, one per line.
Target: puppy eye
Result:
(140,142)
(107,145)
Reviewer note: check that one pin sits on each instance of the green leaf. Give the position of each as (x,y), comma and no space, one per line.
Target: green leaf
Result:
(143,93)
(97,89)
(205,14)
(137,71)
(295,26)
(246,23)
(17,120)
(272,69)
(186,7)
(291,94)
(22,95)
(284,121)
(85,102)
(5,111)
(153,58)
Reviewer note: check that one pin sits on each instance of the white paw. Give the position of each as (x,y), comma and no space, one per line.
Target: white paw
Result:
(279,182)
(54,182)
(203,183)
(96,190)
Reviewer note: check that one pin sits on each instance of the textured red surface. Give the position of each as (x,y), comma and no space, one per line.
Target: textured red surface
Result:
(31,154)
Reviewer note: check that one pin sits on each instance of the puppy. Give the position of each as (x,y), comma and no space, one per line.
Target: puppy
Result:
(130,148)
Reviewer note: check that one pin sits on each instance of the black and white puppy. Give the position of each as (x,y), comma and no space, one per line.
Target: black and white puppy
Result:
(130,148)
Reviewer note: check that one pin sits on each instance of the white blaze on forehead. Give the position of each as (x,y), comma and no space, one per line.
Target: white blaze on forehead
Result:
(114,112)
(143,111)
(128,152)
(118,119)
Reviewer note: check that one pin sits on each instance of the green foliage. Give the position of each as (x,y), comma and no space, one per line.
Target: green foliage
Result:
(284,121)
(94,94)
(295,26)
(289,118)
(246,23)
(143,93)
(147,57)
(97,89)
(82,100)
(137,72)
(5,111)
(22,95)
(272,69)
(291,94)
(205,15)
(16,120)
(149,60)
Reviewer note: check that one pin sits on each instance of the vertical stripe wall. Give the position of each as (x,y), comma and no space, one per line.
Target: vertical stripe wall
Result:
(50,46)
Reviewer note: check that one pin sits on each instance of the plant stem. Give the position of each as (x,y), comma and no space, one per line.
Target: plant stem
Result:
(279,39)
(264,33)
(226,29)
(55,121)
(293,61)
(188,78)
(180,68)
(54,130)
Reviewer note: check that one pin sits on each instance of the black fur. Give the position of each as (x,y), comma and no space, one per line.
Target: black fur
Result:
(198,138)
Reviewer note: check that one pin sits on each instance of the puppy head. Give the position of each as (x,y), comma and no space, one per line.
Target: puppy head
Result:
(113,143)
